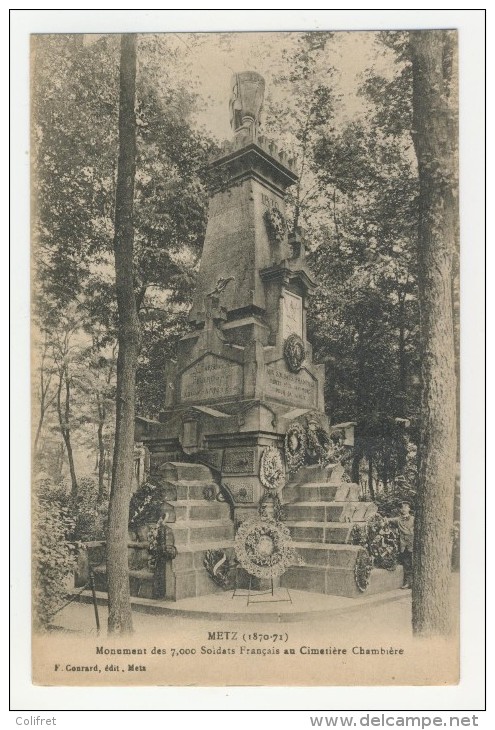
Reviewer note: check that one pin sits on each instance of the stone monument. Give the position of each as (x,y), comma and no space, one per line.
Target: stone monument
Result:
(245,387)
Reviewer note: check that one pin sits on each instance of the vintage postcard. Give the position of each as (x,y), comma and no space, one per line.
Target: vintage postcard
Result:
(245,334)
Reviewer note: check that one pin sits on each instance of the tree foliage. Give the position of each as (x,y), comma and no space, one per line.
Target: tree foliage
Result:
(75,114)
(358,201)
(53,553)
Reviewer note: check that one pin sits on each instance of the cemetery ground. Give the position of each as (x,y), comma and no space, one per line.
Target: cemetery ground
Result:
(388,615)
(338,641)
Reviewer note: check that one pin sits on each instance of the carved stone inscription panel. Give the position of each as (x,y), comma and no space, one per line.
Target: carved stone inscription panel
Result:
(242,492)
(292,315)
(211,377)
(238,461)
(295,388)
(189,434)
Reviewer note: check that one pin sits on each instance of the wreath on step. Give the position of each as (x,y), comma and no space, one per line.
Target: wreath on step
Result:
(383,543)
(271,507)
(380,540)
(362,570)
(158,548)
(220,568)
(318,442)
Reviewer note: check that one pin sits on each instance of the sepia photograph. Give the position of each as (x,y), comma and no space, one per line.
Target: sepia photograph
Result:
(245,358)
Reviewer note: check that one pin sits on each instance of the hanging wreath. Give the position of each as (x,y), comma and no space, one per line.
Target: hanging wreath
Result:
(294,352)
(272,474)
(263,548)
(270,507)
(362,570)
(318,442)
(275,225)
(158,548)
(295,446)
(146,505)
(209,494)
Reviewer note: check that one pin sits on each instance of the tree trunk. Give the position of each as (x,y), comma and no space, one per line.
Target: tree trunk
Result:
(72,468)
(44,397)
(38,430)
(370,478)
(386,466)
(361,355)
(101,463)
(119,615)
(64,421)
(356,461)
(435,143)
(401,404)
(59,463)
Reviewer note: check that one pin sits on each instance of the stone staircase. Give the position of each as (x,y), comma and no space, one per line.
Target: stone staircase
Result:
(196,521)
(321,511)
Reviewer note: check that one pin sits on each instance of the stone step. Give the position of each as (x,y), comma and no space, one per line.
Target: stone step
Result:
(184,490)
(325,492)
(364,511)
(141,581)
(326,555)
(197,531)
(142,573)
(200,509)
(192,584)
(320,532)
(191,557)
(330,511)
(339,581)
(186,576)
(174,471)
(316,473)
(138,554)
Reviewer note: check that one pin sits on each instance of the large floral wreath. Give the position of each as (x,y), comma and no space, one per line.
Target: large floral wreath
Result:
(146,505)
(380,540)
(263,548)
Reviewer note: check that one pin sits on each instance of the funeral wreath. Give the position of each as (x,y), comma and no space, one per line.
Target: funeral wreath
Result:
(263,548)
